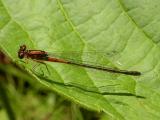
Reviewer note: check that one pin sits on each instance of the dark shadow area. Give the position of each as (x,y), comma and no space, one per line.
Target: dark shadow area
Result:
(4,98)
(88,90)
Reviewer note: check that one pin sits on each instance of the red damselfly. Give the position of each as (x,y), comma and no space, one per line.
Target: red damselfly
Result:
(42,56)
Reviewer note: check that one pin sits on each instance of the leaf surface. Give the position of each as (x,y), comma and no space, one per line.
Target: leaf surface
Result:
(126,30)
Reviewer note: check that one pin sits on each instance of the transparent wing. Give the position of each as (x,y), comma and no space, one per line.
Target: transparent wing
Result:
(95,60)
(90,57)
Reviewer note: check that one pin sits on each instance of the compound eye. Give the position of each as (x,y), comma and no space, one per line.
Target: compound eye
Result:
(21,55)
(23,47)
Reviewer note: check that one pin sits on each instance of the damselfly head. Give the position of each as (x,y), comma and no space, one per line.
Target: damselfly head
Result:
(21,52)
(22,47)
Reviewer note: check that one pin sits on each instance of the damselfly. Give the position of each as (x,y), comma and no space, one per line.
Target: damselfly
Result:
(42,56)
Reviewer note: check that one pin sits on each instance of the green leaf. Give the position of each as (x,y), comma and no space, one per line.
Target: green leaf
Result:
(127,31)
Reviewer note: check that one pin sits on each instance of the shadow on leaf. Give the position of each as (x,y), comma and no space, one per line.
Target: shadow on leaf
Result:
(92,90)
